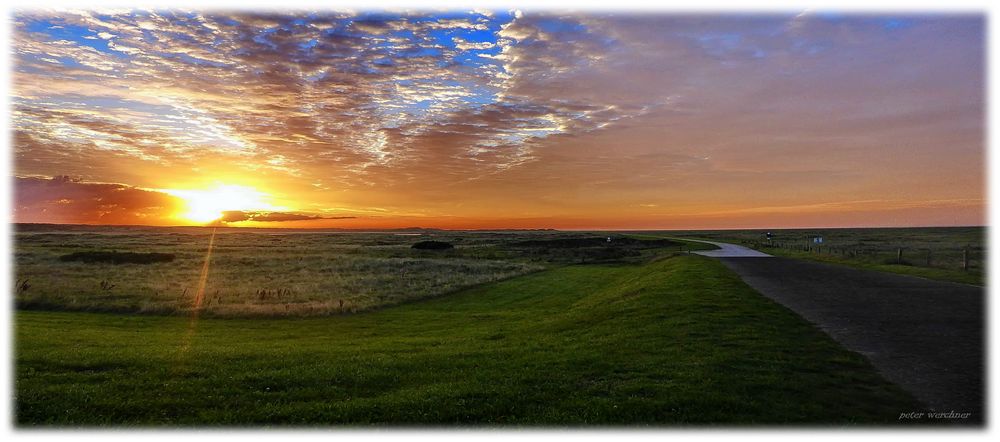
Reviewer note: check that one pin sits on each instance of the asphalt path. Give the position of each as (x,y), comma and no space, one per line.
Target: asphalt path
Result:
(727,250)
(926,336)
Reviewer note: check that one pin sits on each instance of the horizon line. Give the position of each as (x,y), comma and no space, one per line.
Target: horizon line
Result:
(598,229)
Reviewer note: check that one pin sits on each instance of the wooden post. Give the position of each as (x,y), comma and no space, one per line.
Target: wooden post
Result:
(965,259)
(899,255)
(928,257)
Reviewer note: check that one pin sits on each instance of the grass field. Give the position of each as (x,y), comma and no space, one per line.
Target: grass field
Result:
(929,252)
(268,274)
(672,341)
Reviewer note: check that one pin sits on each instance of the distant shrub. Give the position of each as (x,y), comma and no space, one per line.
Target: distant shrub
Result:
(608,254)
(563,243)
(432,245)
(118,257)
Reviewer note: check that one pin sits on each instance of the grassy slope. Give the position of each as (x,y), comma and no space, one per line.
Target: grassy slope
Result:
(680,340)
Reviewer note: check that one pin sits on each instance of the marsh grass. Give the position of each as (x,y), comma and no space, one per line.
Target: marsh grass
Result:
(253,274)
(114,257)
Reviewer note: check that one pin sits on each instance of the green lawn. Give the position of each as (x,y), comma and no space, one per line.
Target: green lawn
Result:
(675,341)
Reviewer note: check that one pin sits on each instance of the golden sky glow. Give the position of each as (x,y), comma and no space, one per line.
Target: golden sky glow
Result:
(498,119)
(207,205)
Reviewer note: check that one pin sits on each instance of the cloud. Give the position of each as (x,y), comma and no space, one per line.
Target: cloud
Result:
(233,216)
(63,199)
(187,86)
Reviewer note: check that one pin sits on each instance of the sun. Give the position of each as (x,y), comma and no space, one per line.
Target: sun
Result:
(207,205)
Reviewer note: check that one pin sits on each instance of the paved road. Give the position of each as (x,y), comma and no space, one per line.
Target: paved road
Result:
(726,250)
(925,336)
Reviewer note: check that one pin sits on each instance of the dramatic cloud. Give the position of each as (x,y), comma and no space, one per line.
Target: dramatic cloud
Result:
(505,115)
(64,200)
(233,216)
(300,87)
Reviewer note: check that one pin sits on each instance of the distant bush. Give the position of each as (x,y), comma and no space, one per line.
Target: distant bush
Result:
(562,243)
(432,245)
(118,257)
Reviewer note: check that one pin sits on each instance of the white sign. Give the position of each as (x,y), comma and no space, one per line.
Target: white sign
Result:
(818,240)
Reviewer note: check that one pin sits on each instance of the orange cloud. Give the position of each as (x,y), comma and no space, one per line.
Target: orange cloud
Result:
(235,216)
(65,200)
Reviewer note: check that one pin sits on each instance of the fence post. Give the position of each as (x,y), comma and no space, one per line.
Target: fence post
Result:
(899,255)
(928,257)
(965,259)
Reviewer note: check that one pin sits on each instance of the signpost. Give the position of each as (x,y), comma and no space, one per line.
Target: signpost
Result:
(818,240)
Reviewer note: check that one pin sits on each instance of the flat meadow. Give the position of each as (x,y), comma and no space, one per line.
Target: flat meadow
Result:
(274,273)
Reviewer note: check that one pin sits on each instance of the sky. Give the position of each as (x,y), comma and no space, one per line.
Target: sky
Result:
(498,119)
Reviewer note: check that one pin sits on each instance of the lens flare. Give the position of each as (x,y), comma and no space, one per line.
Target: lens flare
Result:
(196,305)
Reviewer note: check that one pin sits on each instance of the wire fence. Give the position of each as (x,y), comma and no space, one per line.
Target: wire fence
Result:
(967,257)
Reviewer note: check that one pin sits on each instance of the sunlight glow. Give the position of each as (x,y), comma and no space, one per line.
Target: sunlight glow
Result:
(207,205)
